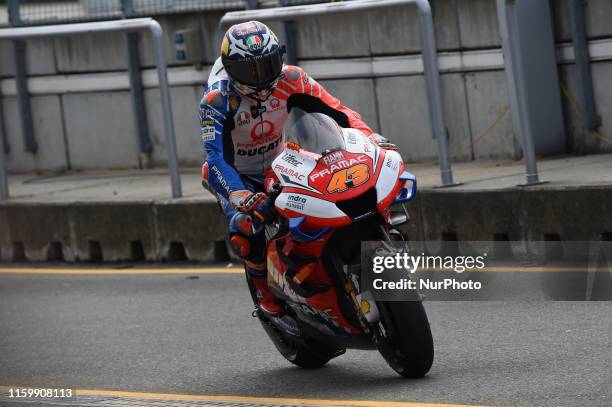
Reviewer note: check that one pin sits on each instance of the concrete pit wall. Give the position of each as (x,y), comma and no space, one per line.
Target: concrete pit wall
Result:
(195,231)
(83,116)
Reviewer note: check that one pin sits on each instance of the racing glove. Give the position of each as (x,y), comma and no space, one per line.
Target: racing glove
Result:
(382,142)
(254,204)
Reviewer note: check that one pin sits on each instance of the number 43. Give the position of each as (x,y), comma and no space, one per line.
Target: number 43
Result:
(349,178)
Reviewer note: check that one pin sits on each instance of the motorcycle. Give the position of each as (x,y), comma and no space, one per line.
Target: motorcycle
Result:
(332,189)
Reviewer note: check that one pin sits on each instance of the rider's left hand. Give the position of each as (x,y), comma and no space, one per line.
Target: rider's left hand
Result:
(257,205)
(264,211)
(382,142)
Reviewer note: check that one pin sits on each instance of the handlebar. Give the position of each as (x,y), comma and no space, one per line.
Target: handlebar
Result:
(276,190)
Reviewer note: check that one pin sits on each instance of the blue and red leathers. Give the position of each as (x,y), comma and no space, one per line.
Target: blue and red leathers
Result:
(242,137)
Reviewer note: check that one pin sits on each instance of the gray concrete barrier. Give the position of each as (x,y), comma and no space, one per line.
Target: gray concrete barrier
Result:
(195,230)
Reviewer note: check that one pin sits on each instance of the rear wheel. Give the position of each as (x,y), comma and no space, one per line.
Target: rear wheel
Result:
(306,352)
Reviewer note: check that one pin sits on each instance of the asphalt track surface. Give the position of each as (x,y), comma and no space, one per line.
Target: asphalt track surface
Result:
(193,334)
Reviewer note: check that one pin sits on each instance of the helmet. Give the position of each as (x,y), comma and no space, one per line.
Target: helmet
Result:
(252,57)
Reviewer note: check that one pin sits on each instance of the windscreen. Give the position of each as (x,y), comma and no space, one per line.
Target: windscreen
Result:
(313,132)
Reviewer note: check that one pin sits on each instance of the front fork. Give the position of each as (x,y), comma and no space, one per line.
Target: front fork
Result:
(363,301)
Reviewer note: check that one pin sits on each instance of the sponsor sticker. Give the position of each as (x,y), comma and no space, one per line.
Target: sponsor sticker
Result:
(340,165)
(391,163)
(205,111)
(208,133)
(262,130)
(250,152)
(331,158)
(274,103)
(205,122)
(281,169)
(243,119)
(296,202)
(233,102)
(291,159)
(254,42)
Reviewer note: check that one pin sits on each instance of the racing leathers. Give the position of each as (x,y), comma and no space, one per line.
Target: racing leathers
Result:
(242,137)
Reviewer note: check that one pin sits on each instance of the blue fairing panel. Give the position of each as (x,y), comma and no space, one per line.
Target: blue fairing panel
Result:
(299,235)
(406,194)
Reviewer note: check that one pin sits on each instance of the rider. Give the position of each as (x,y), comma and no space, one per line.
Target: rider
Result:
(242,114)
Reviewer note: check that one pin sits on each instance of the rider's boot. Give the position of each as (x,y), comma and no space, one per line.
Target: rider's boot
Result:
(266,300)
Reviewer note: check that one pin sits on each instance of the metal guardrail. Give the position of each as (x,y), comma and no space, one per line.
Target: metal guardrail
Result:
(42,12)
(131,25)
(428,45)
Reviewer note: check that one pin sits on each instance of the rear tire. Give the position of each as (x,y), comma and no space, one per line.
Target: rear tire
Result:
(313,356)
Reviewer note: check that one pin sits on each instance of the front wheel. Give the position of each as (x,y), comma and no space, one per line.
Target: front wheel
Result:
(404,337)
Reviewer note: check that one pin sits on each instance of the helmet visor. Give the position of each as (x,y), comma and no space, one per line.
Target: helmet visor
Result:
(258,72)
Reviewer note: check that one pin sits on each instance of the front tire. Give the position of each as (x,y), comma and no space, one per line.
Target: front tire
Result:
(403,335)
(405,339)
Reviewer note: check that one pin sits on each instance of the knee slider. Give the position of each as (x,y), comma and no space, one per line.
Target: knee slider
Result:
(240,245)
(241,223)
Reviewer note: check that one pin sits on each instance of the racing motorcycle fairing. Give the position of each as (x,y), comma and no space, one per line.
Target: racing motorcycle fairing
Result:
(297,275)
(324,167)
(327,178)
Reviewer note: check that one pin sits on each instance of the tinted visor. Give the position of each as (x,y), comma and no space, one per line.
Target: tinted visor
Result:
(257,72)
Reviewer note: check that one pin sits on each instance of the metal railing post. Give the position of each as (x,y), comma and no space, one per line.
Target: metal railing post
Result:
(514,76)
(131,40)
(4,190)
(21,82)
(428,45)
(584,81)
(434,89)
(290,31)
(136,24)
(164,91)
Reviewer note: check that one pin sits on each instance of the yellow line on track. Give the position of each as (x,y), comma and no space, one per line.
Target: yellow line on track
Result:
(125,271)
(267,400)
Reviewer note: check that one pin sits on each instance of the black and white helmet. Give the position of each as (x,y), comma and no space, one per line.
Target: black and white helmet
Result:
(252,57)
